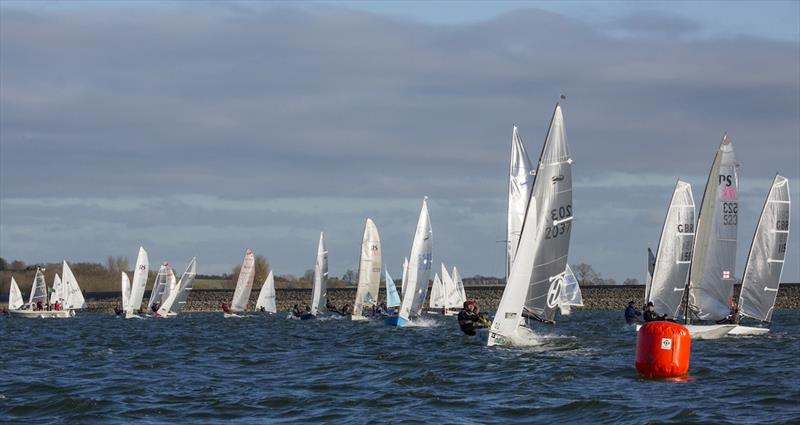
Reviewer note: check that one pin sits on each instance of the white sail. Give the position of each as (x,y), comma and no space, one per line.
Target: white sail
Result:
(15,301)
(437,300)
(570,292)
(139,282)
(519,190)
(266,297)
(392,297)
(509,312)
(369,269)
(674,252)
(38,289)
(762,272)
(459,285)
(405,276)
(126,291)
(244,285)
(552,188)
(74,297)
(319,294)
(651,266)
(177,297)
(419,266)
(58,292)
(452,295)
(159,286)
(711,276)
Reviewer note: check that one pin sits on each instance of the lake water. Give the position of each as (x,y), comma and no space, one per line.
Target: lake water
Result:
(201,368)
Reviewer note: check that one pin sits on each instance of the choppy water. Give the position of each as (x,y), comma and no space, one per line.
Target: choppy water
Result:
(201,368)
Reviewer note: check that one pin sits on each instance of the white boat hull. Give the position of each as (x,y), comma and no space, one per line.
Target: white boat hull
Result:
(705,331)
(524,336)
(230,315)
(358,318)
(30,314)
(740,330)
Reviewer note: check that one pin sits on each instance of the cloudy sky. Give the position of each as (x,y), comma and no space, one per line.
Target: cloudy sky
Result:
(207,128)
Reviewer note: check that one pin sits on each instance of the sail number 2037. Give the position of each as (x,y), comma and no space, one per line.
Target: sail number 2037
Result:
(558,214)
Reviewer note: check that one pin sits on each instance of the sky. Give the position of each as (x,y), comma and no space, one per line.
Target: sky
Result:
(205,128)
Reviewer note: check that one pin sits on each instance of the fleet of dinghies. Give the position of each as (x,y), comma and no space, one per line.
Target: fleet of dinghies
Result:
(690,277)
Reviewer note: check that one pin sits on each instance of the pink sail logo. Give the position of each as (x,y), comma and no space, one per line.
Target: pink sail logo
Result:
(729,192)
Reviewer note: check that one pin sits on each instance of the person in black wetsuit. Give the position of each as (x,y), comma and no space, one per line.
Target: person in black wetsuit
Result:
(632,314)
(468,319)
(650,314)
(296,311)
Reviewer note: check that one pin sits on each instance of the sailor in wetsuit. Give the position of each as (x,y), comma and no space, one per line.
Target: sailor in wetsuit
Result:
(650,314)
(468,319)
(296,311)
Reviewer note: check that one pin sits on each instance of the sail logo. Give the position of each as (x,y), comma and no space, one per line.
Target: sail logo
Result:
(554,292)
(726,178)
(374,250)
(729,192)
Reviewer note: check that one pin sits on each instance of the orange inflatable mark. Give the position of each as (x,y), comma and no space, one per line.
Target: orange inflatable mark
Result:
(663,350)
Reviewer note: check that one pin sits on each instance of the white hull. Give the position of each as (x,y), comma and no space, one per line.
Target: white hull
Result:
(524,336)
(30,314)
(358,318)
(131,315)
(740,330)
(709,331)
(451,313)
(230,315)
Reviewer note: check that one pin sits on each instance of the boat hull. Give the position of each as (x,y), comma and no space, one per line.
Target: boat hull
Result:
(709,331)
(307,316)
(524,336)
(740,330)
(30,314)
(395,321)
(358,318)
(230,315)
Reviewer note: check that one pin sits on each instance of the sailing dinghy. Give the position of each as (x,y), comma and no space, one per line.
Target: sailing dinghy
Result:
(418,271)
(34,309)
(176,299)
(133,305)
(708,296)
(392,297)
(266,296)
(319,293)
(454,302)
(538,265)
(244,286)
(15,300)
(369,271)
(436,304)
(164,284)
(762,272)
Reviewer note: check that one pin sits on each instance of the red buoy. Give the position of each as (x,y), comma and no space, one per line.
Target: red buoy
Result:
(662,350)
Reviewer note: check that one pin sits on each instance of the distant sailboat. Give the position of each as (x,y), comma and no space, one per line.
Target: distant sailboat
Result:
(177,297)
(37,301)
(453,301)
(244,286)
(133,306)
(536,279)
(437,303)
(418,271)
(369,271)
(459,285)
(73,299)
(762,273)
(125,288)
(266,297)
(165,281)
(392,297)
(319,293)
(709,292)
(57,294)
(15,300)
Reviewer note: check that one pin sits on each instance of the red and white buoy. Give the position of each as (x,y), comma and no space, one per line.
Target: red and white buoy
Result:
(663,350)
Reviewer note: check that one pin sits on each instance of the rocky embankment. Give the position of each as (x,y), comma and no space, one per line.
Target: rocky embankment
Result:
(594,298)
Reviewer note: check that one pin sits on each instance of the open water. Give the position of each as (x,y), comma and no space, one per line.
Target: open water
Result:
(201,368)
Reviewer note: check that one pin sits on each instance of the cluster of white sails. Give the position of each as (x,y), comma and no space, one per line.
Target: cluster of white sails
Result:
(64,297)
(692,275)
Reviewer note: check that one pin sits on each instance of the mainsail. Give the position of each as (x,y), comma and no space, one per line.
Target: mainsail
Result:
(157,294)
(15,301)
(320,291)
(244,285)
(419,266)
(452,295)
(57,292)
(519,178)
(392,297)
(570,291)
(38,289)
(405,276)
(126,291)
(714,260)
(73,298)
(651,265)
(674,252)
(762,272)
(266,297)
(369,269)
(459,285)
(177,297)
(437,300)
(139,282)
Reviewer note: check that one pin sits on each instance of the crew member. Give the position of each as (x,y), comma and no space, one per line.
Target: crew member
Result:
(632,314)
(650,314)
(468,319)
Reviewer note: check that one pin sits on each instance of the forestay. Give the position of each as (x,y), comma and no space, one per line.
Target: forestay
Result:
(674,256)
(711,276)
(419,266)
(15,300)
(244,285)
(369,269)
(519,178)
(762,273)
(320,291)
(392,297)
(139,282)
(266,297)
(177,297)
(73,298)
(552,188)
